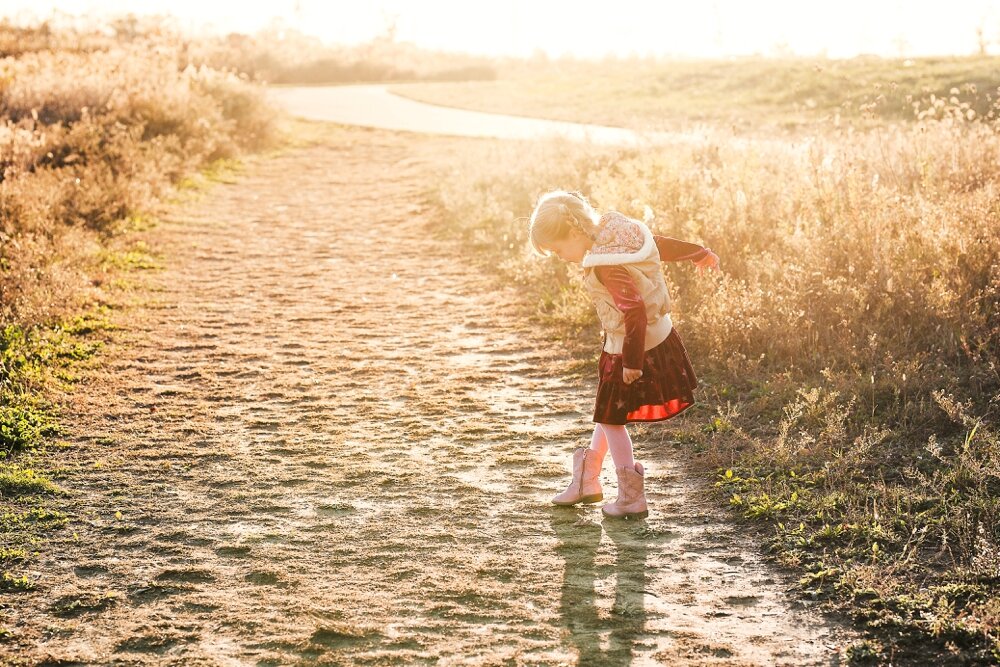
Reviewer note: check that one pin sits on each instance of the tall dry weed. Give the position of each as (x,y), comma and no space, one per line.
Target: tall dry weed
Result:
(88,137)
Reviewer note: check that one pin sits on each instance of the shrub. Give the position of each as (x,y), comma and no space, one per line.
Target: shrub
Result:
(93,135)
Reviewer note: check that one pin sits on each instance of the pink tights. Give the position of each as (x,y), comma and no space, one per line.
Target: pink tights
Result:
(617,439)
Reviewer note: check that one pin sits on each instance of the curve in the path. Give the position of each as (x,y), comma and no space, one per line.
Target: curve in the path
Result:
(373,105)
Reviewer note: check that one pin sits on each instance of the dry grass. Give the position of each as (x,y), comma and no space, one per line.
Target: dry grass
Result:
(91,138)
(744,94)
(849,350)
(286,56)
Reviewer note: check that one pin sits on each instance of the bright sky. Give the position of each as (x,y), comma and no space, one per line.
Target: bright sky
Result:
(840,28)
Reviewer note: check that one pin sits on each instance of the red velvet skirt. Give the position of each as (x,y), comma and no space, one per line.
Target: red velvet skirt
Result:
(665,389)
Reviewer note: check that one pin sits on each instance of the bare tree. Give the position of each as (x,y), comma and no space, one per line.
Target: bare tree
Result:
(391,27)
(982,42)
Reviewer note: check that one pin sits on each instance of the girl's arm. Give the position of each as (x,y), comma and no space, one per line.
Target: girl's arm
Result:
(675,250)
(627,299)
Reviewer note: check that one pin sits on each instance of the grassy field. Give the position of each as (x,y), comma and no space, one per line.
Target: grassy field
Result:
(847,353)
(743,95)
(848,350)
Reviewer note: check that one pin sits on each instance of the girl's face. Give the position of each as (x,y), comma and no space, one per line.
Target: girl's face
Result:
(572,248)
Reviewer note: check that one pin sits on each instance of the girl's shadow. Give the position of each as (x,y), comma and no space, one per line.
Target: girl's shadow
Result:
(602,636)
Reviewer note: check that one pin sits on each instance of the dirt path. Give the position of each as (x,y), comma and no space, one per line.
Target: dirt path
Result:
(329,442)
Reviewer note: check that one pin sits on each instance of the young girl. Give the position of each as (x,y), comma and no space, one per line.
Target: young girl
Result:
(644,371)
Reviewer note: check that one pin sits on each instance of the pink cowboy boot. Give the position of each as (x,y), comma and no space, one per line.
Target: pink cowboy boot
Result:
(585,487)
(631,500)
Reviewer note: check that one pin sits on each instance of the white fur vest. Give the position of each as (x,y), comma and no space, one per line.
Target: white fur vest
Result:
(626,242)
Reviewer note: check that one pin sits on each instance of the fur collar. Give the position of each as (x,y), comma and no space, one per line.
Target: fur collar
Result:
(620,240)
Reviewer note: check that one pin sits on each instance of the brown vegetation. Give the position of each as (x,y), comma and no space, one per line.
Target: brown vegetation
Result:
(849,349)
(93,130)
(91,136)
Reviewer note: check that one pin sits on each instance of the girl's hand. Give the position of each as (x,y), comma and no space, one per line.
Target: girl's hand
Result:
(630,375)
(709,261)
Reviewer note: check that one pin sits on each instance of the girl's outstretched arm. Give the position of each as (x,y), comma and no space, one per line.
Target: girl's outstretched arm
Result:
(675,250)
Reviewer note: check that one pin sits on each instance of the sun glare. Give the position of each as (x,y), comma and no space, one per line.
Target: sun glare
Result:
(586,28)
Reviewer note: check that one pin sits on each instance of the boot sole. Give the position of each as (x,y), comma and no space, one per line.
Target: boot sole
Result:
(633,515)
(596,498)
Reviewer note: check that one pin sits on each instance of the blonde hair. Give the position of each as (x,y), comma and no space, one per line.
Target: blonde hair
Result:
(556,213)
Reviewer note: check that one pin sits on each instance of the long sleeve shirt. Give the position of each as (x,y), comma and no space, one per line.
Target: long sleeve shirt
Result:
(623,290)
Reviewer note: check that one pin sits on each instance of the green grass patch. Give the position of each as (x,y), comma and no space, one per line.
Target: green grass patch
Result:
(34,519)
(9,556)
(223,170)
(32,359)
(24,422)
(76,605)
(18,481)
(139,257)
(10,583)
(136,222)
(93,320)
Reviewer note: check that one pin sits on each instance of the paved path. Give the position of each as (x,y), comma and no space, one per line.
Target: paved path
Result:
(370,105)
